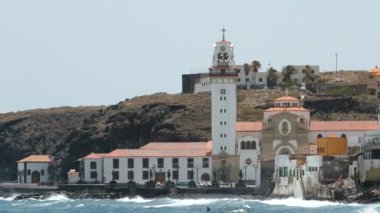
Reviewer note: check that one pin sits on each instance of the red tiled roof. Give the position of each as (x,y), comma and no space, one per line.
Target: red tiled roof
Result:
(94,155)
(159,153)
(249,126)
(36,159)
(286,109)
(343,125)
(177,145)
(286,98)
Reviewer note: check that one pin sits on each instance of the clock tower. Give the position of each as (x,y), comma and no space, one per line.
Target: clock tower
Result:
(223,76)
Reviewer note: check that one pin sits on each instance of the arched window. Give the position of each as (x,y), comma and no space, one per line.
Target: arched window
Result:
(343,136)
(319,136)
(242,145)
(253,144)
(248,145)
(284,151)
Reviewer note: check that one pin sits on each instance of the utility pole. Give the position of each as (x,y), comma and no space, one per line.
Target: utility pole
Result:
(336,63)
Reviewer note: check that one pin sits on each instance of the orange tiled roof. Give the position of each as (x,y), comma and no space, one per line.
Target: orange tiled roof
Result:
(177,145)
(36,159)
(286,98)
(343,125)
(94,155)
(249,126)
(286,109)
(159,153)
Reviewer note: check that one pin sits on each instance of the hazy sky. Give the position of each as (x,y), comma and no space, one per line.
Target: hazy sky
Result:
(77,52)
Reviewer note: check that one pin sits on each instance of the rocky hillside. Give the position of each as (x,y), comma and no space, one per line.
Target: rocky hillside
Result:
(69,133)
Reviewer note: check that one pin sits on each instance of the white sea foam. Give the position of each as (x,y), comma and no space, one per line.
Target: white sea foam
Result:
(12,197)
(297,202)
(137,199)
(57,197)
(372,208)
(238,211)
(79,205)
(183,202)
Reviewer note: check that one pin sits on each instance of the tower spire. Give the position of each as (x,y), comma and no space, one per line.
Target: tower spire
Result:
(223,31)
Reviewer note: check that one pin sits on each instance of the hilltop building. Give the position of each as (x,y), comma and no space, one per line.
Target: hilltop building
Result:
(201,82)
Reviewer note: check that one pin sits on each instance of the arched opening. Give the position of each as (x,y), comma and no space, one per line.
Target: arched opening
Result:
(253,144)
(36,177)
(285,151)
(242,145)
(343,136)
(319,136)
(205,177)
(248,145)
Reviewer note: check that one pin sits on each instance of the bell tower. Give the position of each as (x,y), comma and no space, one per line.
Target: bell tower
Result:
(223,76)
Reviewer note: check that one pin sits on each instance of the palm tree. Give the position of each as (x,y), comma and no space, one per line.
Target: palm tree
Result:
(309,77)
(272,77)
(256,66)
(287,72)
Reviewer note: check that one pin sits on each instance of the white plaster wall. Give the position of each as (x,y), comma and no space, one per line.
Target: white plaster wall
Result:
(252,78)
(88,170)
(138,170)
(229,116)
(34,167)
(204,85)
(252,170)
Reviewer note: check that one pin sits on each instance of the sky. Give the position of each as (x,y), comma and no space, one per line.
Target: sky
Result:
(90,52)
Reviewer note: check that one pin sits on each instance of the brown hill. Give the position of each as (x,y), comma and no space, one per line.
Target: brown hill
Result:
(69,133)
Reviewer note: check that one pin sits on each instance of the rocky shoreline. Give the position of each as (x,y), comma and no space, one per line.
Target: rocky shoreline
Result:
(365,197)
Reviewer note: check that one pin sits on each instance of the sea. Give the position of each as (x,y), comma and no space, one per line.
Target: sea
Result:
(60,203)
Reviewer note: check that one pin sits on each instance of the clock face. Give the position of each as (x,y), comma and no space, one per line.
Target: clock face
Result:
(222,48)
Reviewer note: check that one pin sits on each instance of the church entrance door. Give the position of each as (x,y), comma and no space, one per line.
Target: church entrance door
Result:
(160,177)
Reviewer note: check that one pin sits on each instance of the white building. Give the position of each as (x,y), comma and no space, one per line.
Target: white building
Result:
(301,69)
(368,164)
(33,169)
(184,161)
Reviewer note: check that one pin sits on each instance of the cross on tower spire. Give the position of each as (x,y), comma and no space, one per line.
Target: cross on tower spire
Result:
(223,31)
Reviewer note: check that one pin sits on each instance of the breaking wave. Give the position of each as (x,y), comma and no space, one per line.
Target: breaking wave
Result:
(137,199)
(298,202)
(172,203)
(57,197)
(10,198)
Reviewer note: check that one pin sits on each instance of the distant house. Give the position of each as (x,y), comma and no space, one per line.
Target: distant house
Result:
(33,169)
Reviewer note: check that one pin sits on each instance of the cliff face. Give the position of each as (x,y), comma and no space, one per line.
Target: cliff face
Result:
(70,133)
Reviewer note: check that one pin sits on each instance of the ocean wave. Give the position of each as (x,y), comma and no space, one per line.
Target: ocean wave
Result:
(298,202)
(137,199)
(183,202)
(10,198)
(371,208)
(57,197)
